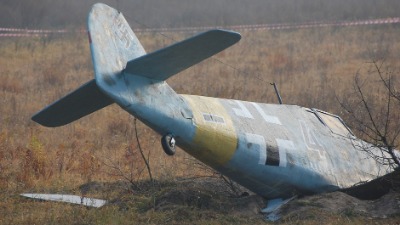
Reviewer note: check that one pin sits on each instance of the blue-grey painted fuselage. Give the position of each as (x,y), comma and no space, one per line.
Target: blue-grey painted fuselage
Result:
(276,151)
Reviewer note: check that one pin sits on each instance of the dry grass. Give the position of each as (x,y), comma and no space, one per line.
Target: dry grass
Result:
(310,66)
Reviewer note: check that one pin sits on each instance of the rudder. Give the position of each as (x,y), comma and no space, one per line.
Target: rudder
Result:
(112,43)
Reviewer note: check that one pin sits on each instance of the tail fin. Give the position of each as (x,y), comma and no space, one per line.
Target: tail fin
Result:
(113,43)
(117,54)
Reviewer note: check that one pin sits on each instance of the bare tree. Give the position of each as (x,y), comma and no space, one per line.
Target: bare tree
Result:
(373,110)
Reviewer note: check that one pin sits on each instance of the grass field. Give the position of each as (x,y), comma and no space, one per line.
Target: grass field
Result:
(312,68)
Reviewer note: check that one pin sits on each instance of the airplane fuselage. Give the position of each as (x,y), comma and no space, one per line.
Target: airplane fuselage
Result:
(276,151)
(273,150)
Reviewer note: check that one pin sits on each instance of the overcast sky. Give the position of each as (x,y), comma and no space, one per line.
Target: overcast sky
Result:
(178,13)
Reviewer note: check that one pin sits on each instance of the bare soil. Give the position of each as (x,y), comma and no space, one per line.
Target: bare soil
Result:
(342,204)
(186,200)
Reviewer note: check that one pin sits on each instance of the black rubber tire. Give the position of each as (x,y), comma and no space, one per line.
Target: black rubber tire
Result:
(167,146)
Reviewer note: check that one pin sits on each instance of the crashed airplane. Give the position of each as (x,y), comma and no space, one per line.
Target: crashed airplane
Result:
(275,150)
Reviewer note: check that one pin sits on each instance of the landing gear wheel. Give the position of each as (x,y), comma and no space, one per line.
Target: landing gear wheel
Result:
(168,144)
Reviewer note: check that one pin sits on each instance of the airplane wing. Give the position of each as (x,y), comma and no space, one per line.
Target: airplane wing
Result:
(85,100)
(164,63)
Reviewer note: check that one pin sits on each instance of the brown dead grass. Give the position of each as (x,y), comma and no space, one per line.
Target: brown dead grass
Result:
(310,66)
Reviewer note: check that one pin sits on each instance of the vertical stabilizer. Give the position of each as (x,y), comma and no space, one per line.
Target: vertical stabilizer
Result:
(112,43)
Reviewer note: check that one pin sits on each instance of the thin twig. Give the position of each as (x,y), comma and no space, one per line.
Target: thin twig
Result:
(141,151)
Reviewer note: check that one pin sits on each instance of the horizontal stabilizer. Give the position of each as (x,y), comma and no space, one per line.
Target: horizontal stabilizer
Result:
(164,63)
(83,101)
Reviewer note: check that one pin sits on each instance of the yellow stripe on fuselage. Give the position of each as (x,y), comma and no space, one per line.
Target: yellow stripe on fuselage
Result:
(215,139)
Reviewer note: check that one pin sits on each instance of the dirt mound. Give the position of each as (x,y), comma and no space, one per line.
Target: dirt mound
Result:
(208,195)
(342,204)
(186,200)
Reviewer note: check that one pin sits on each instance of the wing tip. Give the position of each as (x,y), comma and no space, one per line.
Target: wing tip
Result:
(235,36)
(44,121)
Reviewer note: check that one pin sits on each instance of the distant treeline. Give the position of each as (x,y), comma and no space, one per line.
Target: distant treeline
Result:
(178,13)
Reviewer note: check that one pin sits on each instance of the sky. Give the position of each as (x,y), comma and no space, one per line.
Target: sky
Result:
(186,13)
